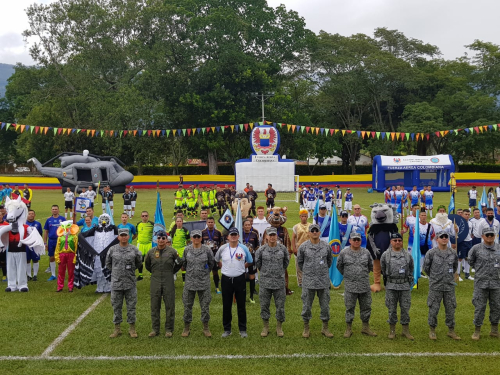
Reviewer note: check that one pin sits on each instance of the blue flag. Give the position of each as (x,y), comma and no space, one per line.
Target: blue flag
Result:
(108,211)
(159,220)
(239,221)
(316,210)
(415,250)
(335,246)
(451,206)
(484,201)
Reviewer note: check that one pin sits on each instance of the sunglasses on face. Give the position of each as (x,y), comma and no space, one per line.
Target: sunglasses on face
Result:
(444,236)
(355,239)
(161,237)
(314,230)
(490,235)
(397,240)
(144,215)
(196,236)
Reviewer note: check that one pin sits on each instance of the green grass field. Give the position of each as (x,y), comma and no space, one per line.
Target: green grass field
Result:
(30,322)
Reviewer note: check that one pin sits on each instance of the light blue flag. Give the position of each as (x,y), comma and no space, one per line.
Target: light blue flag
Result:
(484,200)
(415,251)
(451,206)
(335,246)
(108,211)
(159,219)
(316,211)
(239,221)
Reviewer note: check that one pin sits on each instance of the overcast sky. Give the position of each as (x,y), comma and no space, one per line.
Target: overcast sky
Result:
(449,24)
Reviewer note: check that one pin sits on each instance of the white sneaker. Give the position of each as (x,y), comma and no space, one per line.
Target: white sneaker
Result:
(470,278)
(423,276)
(473,270)
(460,279)
(48,270)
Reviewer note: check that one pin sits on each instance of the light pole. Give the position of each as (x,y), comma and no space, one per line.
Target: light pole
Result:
(263,96)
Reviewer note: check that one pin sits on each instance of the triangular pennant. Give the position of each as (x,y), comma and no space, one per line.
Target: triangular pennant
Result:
(178,131)
(163,132)
(471,130)
(204,129)
(198,130)
(317,130)
(476,129)
(218,128)
(428,136)
(232,128)
(125,132)
(251,126)
(358,133)
(307,129)
(343,132)
(189,132)
(293,128)
(393,135)
(412,136)
(168,132)
(31,129)
(495,126)
(224,128)
(246,127)
(332,131)
(213,129)
(55,130)
(261,123)
(383,135)
(288,127)
(446,132)
(298,128)
(378,135)
(3,125)
(302,128)
(418,136)
(407,135)
(93,133)
(362,134)
(121,133)
(135,132)
(184,132)
(88,132)
(322,130)
(149,133)
(373,135)
(22,128)
(437,134)
(442,133)
(241,127)
(46,130)
(8,126)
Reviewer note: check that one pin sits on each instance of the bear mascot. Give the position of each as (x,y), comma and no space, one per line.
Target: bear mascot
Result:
(383,223)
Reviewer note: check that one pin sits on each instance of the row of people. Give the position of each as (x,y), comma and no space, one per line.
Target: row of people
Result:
(314,260)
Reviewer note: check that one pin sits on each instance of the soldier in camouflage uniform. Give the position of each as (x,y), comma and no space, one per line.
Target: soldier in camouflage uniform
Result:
(198,261)
(315,260)
(121,261)
(485,258)
(397,267)
(355,264)
(163,262)
(272,261)
(440,264)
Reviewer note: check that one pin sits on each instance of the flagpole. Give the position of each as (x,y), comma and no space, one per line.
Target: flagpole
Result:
(457,276)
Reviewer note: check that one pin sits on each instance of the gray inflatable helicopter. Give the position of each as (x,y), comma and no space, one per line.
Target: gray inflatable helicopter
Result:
(82,170)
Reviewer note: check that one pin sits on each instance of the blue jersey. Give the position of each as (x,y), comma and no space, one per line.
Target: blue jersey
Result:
(131,230)
(93,223)
(318,193)
(348,197)
(85,228)
(8,192)
(311,197)
(52,224)
(329,196)
(399,196)
(319,221)
(35,224)
(414,195)
(343,230)
(339,194)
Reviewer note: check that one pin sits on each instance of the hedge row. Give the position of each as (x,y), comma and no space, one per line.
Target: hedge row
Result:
(228,170)
(302,170)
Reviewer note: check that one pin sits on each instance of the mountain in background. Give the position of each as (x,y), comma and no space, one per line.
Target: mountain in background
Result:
(6,71)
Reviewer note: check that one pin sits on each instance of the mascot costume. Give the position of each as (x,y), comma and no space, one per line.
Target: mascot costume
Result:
(245,205)
(15,235)
(383,224)
(67,242)
(277,218)
(93,247)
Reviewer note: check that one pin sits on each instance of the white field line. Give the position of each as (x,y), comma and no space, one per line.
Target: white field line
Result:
(68,330)
(238,357)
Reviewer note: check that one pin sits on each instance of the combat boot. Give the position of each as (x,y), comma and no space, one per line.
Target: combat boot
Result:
(451,333)
(306,333)
(432,333)
(348,331)
(117,332)
(265,329)
(494,330)
(392,331)
(132,332)
(185,332)
(367,331)
(325,331)
(206,330)
(477,333)
(279,329)
(406,332)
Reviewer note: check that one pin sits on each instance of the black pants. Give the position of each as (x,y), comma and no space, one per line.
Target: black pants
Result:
(236,286)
